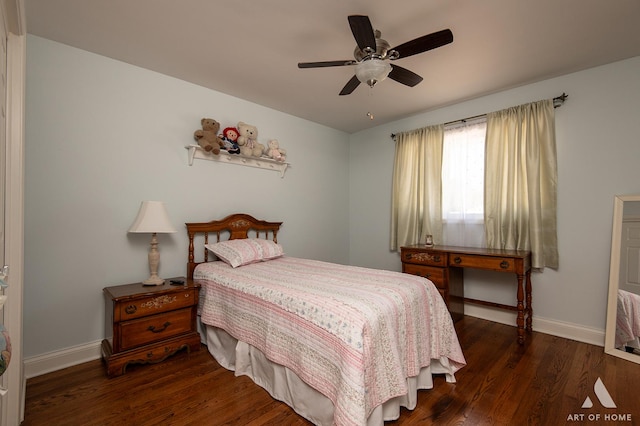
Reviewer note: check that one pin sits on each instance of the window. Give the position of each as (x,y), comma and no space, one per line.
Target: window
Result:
(446,186)
(463,184)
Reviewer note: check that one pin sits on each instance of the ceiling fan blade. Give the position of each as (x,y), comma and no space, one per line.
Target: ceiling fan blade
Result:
(424,43)
(326,64)
(350,86)
(362,31)
(404,76)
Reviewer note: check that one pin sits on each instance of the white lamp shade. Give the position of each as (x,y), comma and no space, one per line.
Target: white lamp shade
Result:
(152,218)
(372,71)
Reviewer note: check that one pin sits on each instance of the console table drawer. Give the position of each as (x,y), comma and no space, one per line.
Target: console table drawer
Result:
(482,262)
(436,275)
(432,264)
(424,258)
(154,328)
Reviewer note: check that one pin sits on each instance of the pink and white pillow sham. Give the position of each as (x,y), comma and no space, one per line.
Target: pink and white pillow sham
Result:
(241,252)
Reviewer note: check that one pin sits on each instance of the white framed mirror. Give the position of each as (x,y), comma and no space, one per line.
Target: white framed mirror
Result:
(623,308)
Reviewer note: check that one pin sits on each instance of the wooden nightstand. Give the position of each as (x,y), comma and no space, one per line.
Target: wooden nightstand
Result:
(146,324)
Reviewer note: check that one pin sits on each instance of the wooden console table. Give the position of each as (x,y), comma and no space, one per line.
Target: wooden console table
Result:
(445,261)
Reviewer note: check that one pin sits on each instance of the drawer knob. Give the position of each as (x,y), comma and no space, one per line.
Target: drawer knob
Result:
(160,330)
(131,309)
(457,260)
(504,264)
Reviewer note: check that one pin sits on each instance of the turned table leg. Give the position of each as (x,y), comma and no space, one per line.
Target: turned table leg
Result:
(521,309)
(529,309)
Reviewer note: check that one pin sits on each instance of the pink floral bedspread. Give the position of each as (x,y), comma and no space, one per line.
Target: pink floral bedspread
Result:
(628,320)
(354,334)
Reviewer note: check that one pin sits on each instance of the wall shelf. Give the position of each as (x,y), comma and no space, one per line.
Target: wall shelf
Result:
(195,151)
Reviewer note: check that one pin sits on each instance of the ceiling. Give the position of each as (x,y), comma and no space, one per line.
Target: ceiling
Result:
(250,49)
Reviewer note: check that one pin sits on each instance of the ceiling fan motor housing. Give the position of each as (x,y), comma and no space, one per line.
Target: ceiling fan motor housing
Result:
(382,51)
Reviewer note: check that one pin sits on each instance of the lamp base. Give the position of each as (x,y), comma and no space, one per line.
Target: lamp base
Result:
(153,280)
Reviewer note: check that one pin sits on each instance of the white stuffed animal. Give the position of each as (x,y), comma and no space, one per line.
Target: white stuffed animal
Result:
(274,151)
(248,140)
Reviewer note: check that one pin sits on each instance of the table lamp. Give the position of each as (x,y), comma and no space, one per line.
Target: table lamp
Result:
(152,218)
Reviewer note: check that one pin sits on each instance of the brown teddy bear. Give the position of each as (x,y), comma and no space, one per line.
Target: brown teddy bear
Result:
(207,138)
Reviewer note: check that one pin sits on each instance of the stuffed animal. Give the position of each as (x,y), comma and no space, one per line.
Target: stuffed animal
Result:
(248,140)
(207,137)
(274,151)
(228,140)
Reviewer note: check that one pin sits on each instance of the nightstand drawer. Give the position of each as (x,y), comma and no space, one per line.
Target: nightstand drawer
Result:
(156,304)
(154,328)
(483,262)
(424,258)
(436,275)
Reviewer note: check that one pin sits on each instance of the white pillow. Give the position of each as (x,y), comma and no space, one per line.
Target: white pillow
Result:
(245,251)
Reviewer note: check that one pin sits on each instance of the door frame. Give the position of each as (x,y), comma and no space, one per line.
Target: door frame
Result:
(13,379)
(630,240)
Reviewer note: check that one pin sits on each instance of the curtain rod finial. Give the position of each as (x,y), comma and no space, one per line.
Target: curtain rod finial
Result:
(559,100)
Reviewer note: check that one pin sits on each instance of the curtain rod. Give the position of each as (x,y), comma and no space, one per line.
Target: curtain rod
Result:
(557,102)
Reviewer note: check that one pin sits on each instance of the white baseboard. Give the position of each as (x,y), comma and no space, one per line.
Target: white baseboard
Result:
(566,330)
(57,360)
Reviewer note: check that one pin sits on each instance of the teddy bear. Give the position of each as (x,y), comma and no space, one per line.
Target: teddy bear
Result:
(248,140)
(228,140)
(207,137)
(274,151)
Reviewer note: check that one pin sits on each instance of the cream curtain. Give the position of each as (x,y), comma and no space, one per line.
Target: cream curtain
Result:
(521,180)
(416,191)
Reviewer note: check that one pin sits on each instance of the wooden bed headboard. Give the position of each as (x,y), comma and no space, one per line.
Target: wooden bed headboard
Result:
(236,226)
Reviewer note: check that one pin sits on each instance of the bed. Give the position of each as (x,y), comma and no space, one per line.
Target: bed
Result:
(628,322)
(341,345)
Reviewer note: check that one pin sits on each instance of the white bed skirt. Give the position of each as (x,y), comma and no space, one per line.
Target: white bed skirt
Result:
(284,385)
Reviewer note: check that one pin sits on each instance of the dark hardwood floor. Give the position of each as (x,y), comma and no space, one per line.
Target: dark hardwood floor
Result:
(545,382)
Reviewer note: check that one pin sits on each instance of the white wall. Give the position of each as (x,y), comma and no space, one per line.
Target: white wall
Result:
(598,147)
(101,137)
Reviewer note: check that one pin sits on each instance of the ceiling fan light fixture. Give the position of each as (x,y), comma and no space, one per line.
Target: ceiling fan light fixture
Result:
(372,71)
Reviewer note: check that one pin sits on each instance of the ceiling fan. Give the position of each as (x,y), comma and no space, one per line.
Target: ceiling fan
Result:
(372,55)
